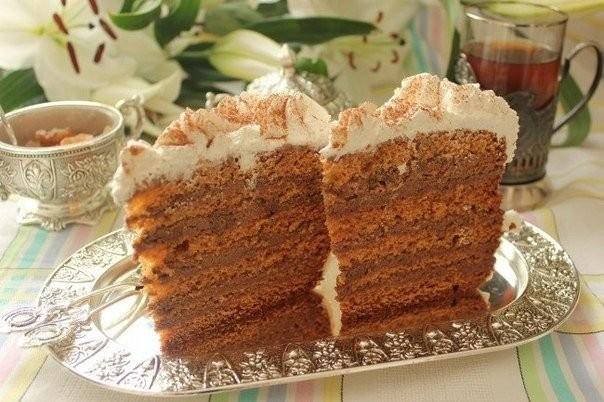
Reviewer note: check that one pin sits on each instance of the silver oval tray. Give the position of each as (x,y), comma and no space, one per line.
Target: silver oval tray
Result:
(535,287)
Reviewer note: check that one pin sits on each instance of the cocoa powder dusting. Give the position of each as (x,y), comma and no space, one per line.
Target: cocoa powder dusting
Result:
(348,120)
(135,150)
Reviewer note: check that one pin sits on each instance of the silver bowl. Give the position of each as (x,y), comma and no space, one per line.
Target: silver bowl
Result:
(64,184)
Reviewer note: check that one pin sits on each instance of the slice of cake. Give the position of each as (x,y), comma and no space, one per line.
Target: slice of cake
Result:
(229,224)
(412,203)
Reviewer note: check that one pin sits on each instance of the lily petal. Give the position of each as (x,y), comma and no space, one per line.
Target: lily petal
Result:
(245,55)
(21,24)
(239,67)
(18,57)
(152,62)
(158,97)
(56,74)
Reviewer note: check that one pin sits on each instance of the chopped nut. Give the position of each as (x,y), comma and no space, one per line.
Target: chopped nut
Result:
(53,137)
(75,139)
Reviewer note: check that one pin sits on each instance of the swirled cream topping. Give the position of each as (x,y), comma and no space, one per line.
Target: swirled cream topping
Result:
(423,104)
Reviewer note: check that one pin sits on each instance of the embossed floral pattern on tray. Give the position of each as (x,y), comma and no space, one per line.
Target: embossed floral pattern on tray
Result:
(551,294)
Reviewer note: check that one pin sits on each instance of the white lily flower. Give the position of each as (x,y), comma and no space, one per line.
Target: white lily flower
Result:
(368,67)
(77,54)
(245,55)
(69,46)
(365,68)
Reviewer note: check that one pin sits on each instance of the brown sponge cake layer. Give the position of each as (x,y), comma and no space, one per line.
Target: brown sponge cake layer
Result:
(470,307)
(416,230)
(235,267)
(450,237)
(447,283)
(277,325)
(396,275)
(232,232)
(343,205)
(242,204)
(230,303)
(227,268)
(164,261)
(452,202)
(367,270)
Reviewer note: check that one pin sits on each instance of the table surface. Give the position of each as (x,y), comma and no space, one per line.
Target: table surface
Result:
(567,365)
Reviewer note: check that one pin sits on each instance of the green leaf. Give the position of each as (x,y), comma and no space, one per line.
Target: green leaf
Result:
(198,51)
(193,94)
(19,88)
(453,55)
(272,9)
(580,125)
(131,5)
(317,66)
(203,71)
(127,6)
(311,30)
(181,18)
(228,17)
(137,18)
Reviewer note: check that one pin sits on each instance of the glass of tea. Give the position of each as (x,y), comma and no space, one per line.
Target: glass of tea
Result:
(515,49)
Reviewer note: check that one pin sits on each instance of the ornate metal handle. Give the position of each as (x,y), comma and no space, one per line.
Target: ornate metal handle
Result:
(7,127)
(61,328)
(27,318)
(594,84)
(4,193)
(134,104)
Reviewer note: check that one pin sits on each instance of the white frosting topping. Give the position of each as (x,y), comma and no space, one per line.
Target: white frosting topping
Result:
(327,290)
(240,127)
(512,221)
(423,104)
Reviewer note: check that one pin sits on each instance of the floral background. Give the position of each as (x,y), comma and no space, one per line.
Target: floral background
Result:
(172,52)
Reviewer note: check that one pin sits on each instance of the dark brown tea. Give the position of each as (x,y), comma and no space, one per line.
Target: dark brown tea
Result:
(513,66)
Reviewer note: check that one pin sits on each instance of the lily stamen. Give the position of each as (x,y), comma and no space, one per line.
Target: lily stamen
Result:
(377,67)
(107,29)
(72,56)
(351,60)
(59,23)
(99,53)
(94,7)
(395,57)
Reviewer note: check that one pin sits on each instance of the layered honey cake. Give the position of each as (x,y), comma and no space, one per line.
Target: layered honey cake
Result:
(412,203)
(229,226)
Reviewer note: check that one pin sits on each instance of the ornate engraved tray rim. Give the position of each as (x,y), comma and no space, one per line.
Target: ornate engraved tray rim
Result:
(551,294)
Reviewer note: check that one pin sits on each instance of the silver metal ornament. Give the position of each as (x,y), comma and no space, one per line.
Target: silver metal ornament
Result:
(317,87)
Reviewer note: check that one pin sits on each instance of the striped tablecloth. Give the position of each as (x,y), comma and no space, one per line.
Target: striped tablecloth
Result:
(566,366)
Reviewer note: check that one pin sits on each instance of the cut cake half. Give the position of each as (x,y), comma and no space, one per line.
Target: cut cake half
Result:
(412,203)
(229,225)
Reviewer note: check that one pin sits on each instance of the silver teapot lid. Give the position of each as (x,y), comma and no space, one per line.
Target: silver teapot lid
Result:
(315,86)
